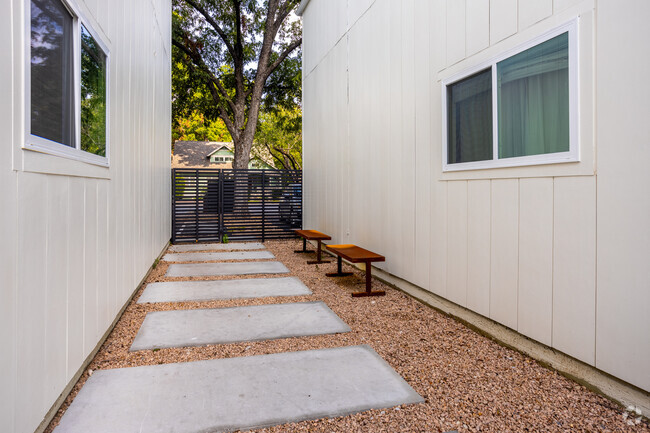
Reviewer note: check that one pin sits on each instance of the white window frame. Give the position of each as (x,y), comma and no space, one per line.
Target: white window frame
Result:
(572,155)
(43,145)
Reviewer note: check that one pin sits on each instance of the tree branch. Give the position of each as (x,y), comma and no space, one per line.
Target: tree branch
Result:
(295,44)
(198,61)
(214,24)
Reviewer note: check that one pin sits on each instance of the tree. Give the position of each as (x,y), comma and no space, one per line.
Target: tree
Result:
(241,53)
(196,127)
(279,135)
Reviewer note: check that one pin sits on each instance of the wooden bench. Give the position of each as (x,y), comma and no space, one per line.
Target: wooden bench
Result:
(312,235)
(355,254)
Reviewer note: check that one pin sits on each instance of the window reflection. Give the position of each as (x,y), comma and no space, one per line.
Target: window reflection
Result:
(52,91)
(93,95)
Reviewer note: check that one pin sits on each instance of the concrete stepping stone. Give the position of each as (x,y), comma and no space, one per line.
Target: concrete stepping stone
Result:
(236,393)
(205,247)
(179,291)
(204,257)
(222,269)
(185,328)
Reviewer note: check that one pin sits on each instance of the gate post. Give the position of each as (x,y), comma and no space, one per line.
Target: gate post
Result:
(263,206)
(196,207)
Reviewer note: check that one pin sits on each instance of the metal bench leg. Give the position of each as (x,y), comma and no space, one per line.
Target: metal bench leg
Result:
(318,256)
(304,247)
(369,291)
(339,269)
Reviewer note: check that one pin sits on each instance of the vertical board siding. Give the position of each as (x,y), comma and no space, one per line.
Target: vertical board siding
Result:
(532,11)
(477,22)
(56,298)
(504,251)
(479,217)
(623,285)
(574,267)
(30,325)
(457,242)
(455,31)
(422,147)
(75,247)
(503,19)
(535,306)
(516,245)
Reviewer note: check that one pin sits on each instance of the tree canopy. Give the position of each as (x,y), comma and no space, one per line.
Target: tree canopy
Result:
(233,58)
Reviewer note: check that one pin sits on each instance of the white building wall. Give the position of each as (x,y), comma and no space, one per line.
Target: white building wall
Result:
(556,252)
(78,238)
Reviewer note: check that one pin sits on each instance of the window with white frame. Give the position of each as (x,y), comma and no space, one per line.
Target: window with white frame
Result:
(67,84)
(517,109)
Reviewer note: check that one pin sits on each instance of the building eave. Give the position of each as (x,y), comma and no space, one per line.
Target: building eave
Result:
(302,7)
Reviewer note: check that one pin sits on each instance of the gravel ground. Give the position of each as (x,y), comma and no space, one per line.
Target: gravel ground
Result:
(470,382)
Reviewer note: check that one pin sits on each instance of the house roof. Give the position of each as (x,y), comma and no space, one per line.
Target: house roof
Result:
(227,146)
(195,154)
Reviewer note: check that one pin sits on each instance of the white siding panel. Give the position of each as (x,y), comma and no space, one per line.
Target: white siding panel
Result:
(535,309)
(455,31)
(67,287)
(478,246)
(504,251)
(406,201)
(76,271)
(356,9)
(31,302)
(8,225)
(56,299)
(324,23)
(422,146)
(503,19)
(438,19)
(91,265)
(395,258)
(439,256)
(574,267)
(560,5)
(623,303)
(532,11)
(457,242)
(478,25)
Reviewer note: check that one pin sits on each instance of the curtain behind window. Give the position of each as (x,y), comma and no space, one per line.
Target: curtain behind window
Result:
(533,100)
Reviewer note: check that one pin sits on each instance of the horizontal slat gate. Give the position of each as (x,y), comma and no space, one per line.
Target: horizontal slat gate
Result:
(209,204)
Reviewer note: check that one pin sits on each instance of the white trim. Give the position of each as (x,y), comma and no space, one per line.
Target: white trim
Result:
(301,7)
(43,145)
(573,155)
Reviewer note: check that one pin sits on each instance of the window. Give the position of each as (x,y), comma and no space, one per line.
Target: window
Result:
(67,82)
(518,109)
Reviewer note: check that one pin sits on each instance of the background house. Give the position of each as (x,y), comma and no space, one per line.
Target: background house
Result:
(210,154)
(554,247)
(85,203)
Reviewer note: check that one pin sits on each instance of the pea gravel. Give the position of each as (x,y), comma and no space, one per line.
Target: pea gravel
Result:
(470,383)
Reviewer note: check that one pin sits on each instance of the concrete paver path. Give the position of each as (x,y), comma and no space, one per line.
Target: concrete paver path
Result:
(185,328)
(220,269)
(179,291)
(236,393)
(206,247)
(204,257)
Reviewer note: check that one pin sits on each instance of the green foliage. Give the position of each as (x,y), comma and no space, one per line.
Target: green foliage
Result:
(222,68)
(224,239)
(279,134)
(93,95)
(196,127)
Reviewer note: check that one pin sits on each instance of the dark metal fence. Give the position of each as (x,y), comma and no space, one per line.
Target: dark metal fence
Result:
(212,204)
